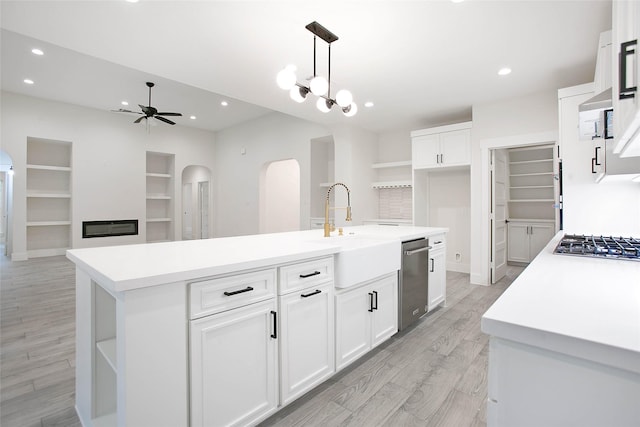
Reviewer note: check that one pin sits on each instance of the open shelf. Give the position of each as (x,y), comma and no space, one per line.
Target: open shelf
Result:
(391,184)
(391,164)
(107,349)
(160,196)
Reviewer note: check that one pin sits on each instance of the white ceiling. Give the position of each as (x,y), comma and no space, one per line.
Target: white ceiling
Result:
(421,62)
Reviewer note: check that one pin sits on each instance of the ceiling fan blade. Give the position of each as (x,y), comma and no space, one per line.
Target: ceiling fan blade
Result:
(122,110)
(169,114)
(140,119)
(162,119)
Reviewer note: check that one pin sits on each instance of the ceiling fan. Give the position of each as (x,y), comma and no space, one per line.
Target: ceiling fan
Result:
(149,112)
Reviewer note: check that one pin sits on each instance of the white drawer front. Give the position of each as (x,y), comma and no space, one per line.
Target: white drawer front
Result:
(305,274)
(225,293)
(437,242)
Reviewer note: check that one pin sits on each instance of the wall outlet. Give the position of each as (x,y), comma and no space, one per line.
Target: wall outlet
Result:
(458,257)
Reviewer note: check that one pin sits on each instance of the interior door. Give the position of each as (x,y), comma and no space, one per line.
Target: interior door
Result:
(187,212)
(498,215)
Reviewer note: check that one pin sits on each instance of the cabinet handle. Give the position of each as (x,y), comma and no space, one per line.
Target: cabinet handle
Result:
(275,324)
(370,302)
(316,292)
(593,165)
(441,158)
(247,289)
(432,265)
(376,294)
(626,50)
(597,162)
(304,276)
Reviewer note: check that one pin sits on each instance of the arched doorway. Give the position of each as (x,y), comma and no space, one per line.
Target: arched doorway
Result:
(6,201)
(196,202)
(280,196)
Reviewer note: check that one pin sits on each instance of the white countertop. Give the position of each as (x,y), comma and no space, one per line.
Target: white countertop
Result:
(581,306)
(128,267)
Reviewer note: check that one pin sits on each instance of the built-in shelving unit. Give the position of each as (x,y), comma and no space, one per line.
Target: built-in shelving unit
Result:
(105,363)
(394,182)
(531,183)
(48,197)
(393,174)
(160,196)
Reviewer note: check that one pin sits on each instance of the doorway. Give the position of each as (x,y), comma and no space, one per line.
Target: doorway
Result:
(196,202)
(6,202)
(280,196)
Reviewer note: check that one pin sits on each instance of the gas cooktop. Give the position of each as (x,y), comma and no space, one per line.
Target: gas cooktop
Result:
(627,248)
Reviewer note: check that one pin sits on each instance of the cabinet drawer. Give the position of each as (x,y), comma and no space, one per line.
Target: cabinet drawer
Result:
(437,242)
(225,293)
(305,274)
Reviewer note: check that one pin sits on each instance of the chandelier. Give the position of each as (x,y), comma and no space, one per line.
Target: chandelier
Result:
(318,85)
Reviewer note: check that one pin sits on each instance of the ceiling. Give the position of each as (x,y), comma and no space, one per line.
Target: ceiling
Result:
(421,63)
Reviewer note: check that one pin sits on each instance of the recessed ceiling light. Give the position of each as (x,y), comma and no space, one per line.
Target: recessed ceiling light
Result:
(368,104)
(37,51)
(124,103)
(192,117)
(224,103)
(132,1)
(457,1)
(504,71)
(28,81)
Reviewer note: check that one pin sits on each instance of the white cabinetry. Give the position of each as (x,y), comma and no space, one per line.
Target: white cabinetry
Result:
(437,273)
(48,197)
(306,329)
(366,316)
(234,353)
(526,239)
(626,77)
(160,183)
(444,146)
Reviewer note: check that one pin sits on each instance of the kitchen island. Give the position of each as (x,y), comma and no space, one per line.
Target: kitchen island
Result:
(167,332)
(565,344)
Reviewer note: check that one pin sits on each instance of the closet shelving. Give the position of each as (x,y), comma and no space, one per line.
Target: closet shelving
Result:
(160,196)
(48,197)
(105,363)
(531,183)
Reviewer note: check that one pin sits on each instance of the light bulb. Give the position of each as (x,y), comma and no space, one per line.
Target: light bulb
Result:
(350,110)
(319,86)
(298,94)
(344,98)
(286,78)
(324,105)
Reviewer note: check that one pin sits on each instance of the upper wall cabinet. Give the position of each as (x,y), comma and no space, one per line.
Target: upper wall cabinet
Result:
(626,76)
(443,146)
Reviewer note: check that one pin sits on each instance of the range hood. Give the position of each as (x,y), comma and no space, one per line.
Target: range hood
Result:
(592,117)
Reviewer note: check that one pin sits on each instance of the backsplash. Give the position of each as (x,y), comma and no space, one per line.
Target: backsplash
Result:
(395,203)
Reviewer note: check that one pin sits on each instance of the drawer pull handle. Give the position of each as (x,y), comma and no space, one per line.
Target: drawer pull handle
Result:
(370,303)
(376,294)
(316,292)
(432,265)
(274,335)
(247,289)
(304,276)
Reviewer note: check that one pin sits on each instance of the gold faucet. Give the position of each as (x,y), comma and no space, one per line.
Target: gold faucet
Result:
(328,227)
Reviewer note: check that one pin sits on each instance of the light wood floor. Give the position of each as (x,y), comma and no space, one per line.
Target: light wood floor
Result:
(433,374)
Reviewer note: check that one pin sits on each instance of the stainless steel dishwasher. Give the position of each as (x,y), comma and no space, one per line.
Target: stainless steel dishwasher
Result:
(413,282)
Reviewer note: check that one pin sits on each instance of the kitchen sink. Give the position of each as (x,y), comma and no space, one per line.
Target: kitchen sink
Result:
(362,258)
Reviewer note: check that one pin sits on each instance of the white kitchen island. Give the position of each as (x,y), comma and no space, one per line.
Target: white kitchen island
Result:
(565,344)
(156,323)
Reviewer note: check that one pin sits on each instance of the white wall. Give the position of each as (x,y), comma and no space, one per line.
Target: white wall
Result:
(520,120)
(108,161)
(241,153)
(280,197)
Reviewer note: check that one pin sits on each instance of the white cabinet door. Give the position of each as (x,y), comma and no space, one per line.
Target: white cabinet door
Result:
(518,249)
(353,325)
(385,309)
(455,148)
(539,236)
(306,340)
(425,151)
(365,317)
(234,366)
(437,277)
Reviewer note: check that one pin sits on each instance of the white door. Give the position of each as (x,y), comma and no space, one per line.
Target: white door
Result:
(234,366)
(203,209)
(539,235)
(187,212)
(385,309)
(425,151)
(519,241)
(455,148)
(353,325)
(437,277)
(498,215)
(306,340)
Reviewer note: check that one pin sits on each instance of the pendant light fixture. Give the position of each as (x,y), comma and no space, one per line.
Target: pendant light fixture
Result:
(318,85)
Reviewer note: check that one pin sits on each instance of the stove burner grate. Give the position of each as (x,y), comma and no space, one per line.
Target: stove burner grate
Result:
(600,246)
